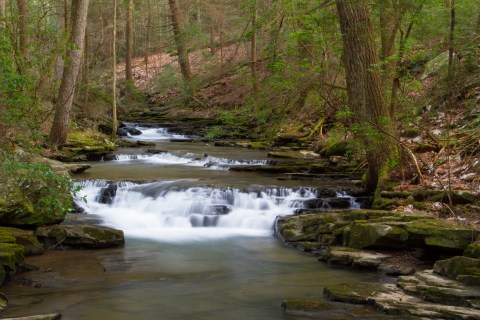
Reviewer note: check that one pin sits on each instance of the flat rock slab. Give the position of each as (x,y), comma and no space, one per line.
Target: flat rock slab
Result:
(435,288)
(392,300)
(51,316)
(354,257)
(80,236)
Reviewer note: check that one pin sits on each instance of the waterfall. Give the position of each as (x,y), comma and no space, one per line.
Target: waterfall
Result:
(175,210)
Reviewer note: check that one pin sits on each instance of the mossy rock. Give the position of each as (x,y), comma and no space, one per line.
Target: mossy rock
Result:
(77,235)
(22,206)
(11,255)
(365,235)
(339,148)
(86,145)
(441,233)
(359,294)
(24,238)
(473,250)
(457,266)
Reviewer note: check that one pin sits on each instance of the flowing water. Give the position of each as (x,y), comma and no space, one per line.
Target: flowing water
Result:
(199,241)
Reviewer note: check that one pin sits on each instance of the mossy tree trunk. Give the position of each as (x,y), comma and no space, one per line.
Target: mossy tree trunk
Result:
(366,95)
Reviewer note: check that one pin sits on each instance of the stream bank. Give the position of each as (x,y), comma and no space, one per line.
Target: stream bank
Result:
(137,177)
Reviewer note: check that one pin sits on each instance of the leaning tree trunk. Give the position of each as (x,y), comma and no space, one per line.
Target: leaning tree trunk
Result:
(59,131)
(364,86)
(182,50)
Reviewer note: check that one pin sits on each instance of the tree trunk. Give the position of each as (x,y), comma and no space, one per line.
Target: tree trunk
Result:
(182,50)
(364,86)
(23,27)
(114,72)
(129,41)
(149,30)
(451,52)
(59,131)
(65,13)
(253,47)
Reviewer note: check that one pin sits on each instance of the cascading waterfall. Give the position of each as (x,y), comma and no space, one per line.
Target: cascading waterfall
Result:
(190,159)
(174,211)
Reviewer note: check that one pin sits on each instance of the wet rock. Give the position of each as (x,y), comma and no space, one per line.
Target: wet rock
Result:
(80,236)
(339,203)
(122,132)
(51,316)
(107,194)
(132,131)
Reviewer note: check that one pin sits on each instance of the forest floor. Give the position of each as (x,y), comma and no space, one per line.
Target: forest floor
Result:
(440,146)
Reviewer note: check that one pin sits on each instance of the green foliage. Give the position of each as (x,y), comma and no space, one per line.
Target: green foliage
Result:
(232,125)
(38,183)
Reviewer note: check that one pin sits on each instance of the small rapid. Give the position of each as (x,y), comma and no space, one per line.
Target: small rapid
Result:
(176,211)
(188,159)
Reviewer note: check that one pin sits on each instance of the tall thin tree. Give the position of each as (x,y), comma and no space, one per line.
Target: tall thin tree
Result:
(59,131)
(128,42)
(114,72)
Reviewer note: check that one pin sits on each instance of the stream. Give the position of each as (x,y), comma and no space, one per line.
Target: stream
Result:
(199,241)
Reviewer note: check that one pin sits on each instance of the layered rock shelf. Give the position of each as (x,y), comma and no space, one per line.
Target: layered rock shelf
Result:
(381,240)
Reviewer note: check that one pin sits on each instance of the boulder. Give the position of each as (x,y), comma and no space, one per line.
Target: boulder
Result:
(24,238)
(11,256)
(77,235)
(464,269)
(133,131)
(473,250)
(122,132)
(27,200)
(366,234)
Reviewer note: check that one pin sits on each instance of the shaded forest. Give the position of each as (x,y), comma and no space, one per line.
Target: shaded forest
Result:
(392,84)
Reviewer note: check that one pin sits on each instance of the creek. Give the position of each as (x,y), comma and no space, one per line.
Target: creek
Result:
(199,241)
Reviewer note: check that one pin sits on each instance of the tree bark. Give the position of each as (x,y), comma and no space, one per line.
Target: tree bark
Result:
(253,46)
(23,27)
(451,52)
(364,86)
(59,130)
(129,41)
(182,50)
(114,72)
(149,30)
